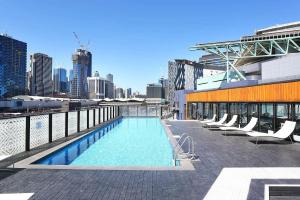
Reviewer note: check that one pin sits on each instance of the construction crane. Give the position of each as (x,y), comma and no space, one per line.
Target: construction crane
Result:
(82,46)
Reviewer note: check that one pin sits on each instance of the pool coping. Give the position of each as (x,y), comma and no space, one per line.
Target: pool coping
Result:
(27,162)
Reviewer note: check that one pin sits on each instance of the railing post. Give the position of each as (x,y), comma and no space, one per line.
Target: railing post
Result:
(94,114)
(78,121)
(27,136)
(99,115)
(137,110)
(118,111)
(50,127)
(88,118)
(66,124)
(106,113)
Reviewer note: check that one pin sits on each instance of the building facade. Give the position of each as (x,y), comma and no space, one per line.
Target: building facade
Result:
(13,54)
(120,93)
(265,83)
(41,72)
(182,75)
(81,64)
(128,93)
(110,77)
(154,90)
(96,87)
(60,82)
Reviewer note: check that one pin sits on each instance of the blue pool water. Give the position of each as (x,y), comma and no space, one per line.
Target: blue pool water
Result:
(125,142)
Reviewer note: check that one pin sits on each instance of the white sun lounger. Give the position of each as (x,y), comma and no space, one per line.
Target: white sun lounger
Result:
(249,127)
(222,120)
(229,124)
(283,133)
(209,120)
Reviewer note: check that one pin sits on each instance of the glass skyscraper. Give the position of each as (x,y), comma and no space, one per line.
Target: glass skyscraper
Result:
(13,54)
(82,66)
(60,80)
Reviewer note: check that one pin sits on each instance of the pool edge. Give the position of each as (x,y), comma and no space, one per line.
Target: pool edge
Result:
(27,162)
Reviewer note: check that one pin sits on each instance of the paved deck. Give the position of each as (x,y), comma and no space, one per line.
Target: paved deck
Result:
(214,150)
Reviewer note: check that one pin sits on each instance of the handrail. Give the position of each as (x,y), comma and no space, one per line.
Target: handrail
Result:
(191,148)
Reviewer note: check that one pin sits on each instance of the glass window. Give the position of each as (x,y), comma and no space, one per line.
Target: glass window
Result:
(243,114)
(200,111)
(194,110)
(205,111)
(282,114)
(252,112)
(297,118)
(222,109)
(266,117)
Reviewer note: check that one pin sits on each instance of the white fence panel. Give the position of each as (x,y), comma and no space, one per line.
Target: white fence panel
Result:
(12,136)
(96,116)
(91,118)
(39,130)
(72,122)
(83,120)
(101,115)
(58,126)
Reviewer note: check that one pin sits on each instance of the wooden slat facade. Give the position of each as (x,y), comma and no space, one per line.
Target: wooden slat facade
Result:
(276,92)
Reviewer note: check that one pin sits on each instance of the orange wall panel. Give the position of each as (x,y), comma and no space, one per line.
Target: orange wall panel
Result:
(276,92)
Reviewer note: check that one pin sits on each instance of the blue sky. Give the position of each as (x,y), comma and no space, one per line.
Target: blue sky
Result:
(134,39)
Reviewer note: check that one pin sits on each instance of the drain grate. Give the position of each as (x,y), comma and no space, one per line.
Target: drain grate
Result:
(282,192)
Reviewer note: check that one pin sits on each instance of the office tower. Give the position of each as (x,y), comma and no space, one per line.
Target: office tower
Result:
(71,77)
(41,71)
(60,80)
(89,72)
(13,54)
(109,90)
(120,93)
(96,87)
(154,90)
(81,65)
(165,84)
(110,77)
(128,93)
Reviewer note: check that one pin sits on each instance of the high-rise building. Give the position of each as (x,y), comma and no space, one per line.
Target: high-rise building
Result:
(28,83)
(128,93)
(60,80)
(110,77)
(109,90)
(165,85)
(81,65)
(182,75)
(96,87)
(120,93)
(13,54)
(41,71)
(71,77)
(154,90)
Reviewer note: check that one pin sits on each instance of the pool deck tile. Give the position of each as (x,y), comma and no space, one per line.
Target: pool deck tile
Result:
(215,152)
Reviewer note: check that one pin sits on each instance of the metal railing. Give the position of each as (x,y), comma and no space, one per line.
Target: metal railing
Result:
(178,149)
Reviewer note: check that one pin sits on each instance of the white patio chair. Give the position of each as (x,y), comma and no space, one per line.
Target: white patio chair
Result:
(283,133)
(249,127)
(209,120)
(222,120)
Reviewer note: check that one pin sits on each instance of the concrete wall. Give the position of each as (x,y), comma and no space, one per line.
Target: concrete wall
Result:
(285,66)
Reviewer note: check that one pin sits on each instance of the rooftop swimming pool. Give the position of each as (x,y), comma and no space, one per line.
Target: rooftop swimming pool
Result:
(124,142)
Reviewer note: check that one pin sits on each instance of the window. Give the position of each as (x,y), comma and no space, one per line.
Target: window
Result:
(266,117)
(222,109)
(297,118)
(282,114)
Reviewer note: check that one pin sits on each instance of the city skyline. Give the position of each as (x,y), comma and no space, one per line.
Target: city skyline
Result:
(128,38)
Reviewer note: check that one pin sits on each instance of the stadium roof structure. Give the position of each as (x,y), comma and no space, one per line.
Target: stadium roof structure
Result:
(249,49)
